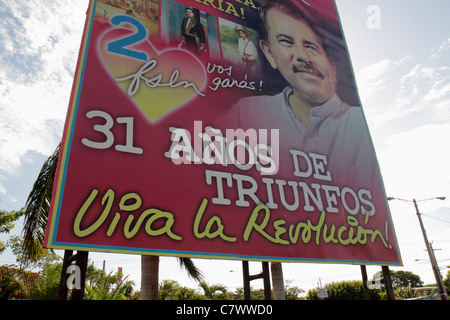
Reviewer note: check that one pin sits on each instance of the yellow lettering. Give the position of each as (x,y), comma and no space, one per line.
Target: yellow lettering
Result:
(341,230)
(167,228)
(279,231)
(294,236)
(209,3)
(231,10)
(251,224)
(318,227)
(213,221)
(248,3)
(125,206)
(113,225)
(129,202)
(220,5)
(154,214)
(330,237)
(352,233)
(108,197)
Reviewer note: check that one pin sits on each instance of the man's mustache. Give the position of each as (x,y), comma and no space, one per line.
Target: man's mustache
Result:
(308,67)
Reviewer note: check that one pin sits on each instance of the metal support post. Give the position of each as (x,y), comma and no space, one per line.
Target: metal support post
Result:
(81,261)
(63,290)
(265,275)
(388,283)
(364,279)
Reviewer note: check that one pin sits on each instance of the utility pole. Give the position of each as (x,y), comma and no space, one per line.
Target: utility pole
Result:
(435,267)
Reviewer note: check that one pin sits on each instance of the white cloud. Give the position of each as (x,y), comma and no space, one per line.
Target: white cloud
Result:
(373,78)
(393,90)
(415,163)
(370,79)
(444,47)
(39,43)
(425,88)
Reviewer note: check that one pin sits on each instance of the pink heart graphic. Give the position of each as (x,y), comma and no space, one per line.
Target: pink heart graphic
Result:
(163,82)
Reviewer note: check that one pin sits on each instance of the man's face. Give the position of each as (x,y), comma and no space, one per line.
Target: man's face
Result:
(294,49)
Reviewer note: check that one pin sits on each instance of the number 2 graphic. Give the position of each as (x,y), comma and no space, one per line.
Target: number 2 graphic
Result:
(118,46)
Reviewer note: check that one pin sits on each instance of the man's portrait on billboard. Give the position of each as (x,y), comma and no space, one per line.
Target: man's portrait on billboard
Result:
(308,112)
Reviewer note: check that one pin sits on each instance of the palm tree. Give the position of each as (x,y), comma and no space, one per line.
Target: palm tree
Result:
(277,281)
(36,212)
(214,292)
(37,208)
(108,287)
(167,289)
(150,271)
(11,282)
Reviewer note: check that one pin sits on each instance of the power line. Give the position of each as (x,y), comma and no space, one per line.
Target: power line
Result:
(435,218)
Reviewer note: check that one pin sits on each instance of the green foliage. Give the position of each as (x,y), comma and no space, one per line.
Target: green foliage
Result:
(102,286)
(168,289)
(405,279)
(447,281)
(344,290)
(16,243)
(99,285)
(402,279)
(214,292)
(18,283)
(292,293)
(192,271)
(9,282)
(7,221)
(172,290)
(185,293)
(402,283)
(48,283)
(37,208)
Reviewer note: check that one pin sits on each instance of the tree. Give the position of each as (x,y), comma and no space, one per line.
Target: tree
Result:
(402,279)
(447,281)
(405,279)
(277,281)
(7,220)
(102,286)
(25,284)
(10,282)
(172,290)
(48,283)
(344,290)
(292,293)
(238,294)
(17,248)
(37,208)
(214,292)
(36,212)
(184,293)
(168,289)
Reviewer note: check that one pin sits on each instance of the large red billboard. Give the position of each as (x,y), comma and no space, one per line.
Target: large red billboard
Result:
(219,129)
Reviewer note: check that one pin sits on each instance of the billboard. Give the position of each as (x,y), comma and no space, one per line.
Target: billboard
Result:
(219,129)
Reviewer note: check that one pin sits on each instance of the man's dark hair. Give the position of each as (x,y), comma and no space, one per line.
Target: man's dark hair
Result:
(288,8)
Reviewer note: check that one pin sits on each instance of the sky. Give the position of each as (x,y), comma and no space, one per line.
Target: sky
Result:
(401,62)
